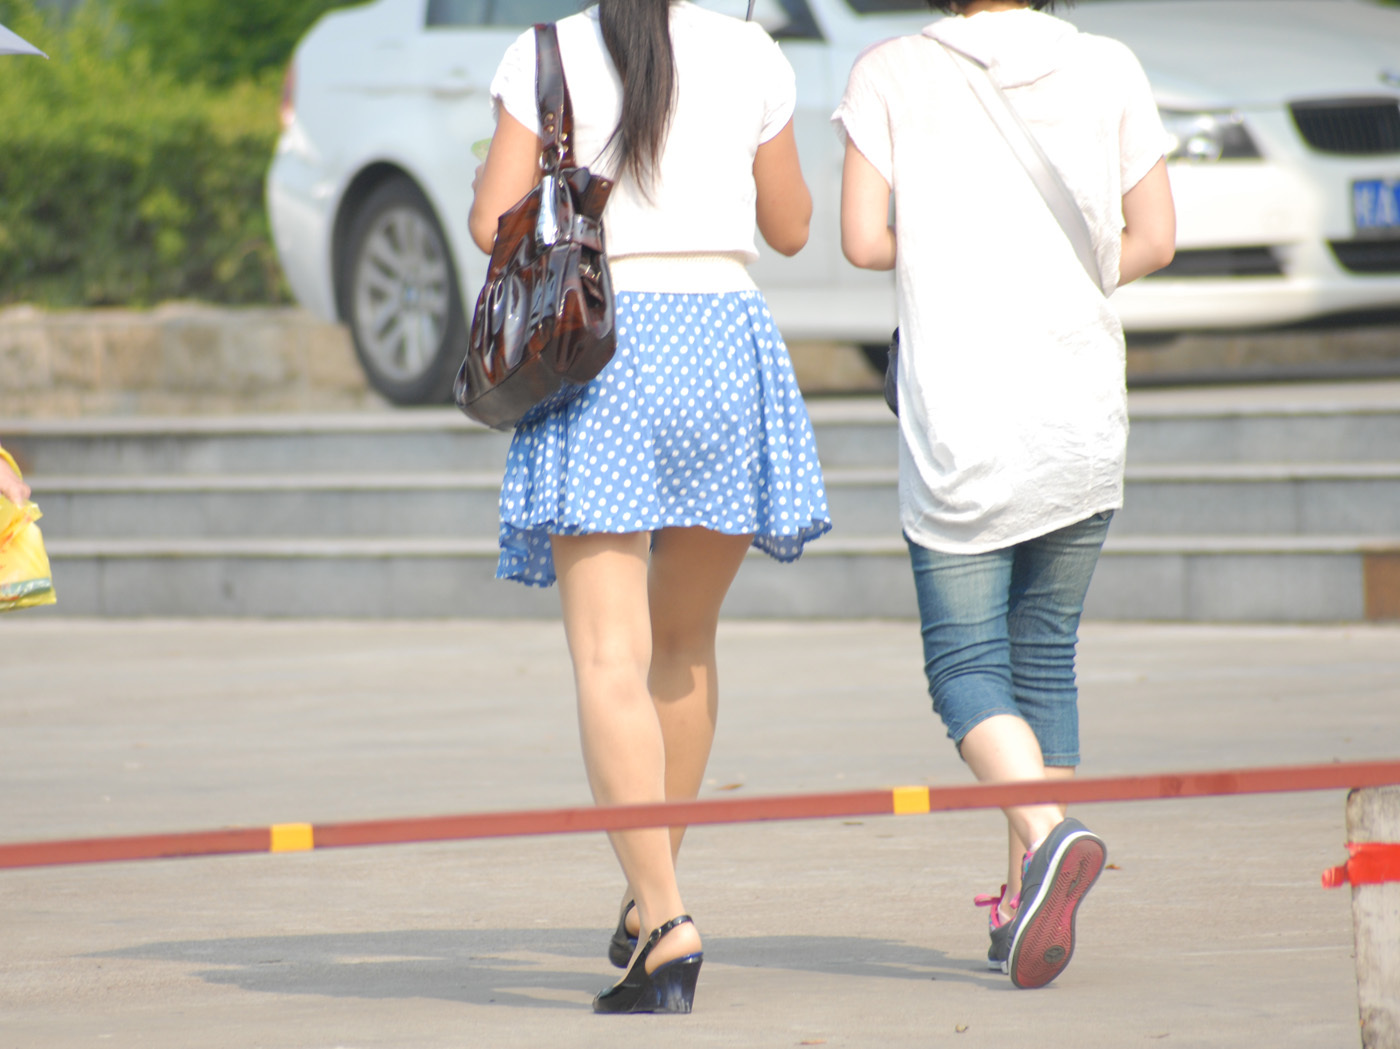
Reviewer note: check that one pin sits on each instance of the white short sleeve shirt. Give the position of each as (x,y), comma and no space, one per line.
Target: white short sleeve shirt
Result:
(736,90)
(1013,409)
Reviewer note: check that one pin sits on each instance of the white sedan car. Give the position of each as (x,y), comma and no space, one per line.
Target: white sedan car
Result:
(1286,167)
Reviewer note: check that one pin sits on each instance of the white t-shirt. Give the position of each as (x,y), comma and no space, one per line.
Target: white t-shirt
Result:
(1013,409)
(735,91)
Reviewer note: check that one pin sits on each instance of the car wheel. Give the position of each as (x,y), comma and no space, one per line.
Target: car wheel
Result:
(401,297)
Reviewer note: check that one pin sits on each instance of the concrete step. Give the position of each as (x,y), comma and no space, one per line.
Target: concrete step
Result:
(368,442)
(271,505)
(1361,499)
(1268,579)
(1191,578)
(1334,423)
(1261,499)
(1224,579)
(851,433)
(341,505)
(1318,423)
(1249,504)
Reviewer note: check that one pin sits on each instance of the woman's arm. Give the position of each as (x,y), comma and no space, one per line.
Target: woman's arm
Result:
(1149,226)
(784,201)
(866,237)
(511,170)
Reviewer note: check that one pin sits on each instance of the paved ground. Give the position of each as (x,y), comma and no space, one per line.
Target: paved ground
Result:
(1209,930)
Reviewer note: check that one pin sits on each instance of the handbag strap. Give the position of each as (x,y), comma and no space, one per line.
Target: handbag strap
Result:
(552,97)
(1038,166)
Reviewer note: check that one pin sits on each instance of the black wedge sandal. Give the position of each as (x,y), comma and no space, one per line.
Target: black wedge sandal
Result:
(670,989)
(623,943)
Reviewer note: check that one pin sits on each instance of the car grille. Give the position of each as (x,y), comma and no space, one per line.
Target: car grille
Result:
(1352,127)
(1223,262)
(1368,256)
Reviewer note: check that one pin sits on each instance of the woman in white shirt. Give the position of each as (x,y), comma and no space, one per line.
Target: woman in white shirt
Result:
(645,492)
(1012,406)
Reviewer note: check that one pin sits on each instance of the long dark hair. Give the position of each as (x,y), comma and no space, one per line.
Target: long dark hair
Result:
(638,35)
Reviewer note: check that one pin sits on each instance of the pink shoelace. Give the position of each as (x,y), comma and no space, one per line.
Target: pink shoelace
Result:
(994,918)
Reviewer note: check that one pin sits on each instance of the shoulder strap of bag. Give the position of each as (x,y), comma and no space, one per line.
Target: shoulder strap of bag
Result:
(552,97)
(1038,166)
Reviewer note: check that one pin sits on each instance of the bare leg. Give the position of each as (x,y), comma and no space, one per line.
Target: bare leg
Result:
(1016,847)
(691,572)
(603,590)
(1004,749)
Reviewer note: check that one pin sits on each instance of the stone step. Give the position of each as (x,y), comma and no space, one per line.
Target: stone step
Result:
(1261,499)
(1361,499)
(1305,423)
(1225,579)
(1296,424)
(269,505)
(1266,504)
(373,442)
(342,505)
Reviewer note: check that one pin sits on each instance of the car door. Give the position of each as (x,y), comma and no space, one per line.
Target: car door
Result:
(817,294)
(800,35)
(460,46)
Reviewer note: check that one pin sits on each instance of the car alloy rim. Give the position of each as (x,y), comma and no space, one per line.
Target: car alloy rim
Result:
(401,293)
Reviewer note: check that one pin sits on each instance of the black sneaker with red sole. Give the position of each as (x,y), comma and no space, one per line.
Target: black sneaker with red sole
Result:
(1062,870)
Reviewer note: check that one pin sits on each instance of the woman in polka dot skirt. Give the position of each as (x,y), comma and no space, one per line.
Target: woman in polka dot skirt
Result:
(642,495)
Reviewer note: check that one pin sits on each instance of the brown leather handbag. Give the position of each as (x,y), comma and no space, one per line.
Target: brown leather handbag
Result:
(543,324)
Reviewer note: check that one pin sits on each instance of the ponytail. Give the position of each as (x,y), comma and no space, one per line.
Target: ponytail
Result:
(638,36)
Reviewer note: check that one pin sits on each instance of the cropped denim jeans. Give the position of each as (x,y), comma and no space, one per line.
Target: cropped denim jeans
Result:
(1000,631)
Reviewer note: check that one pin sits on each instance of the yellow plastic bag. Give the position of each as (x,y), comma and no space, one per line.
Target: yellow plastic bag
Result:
(25,578)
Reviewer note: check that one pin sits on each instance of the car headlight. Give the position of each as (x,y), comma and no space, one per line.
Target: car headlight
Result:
(1204,138)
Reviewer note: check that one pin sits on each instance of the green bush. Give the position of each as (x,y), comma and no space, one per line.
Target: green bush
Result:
(217,41)
(124,184)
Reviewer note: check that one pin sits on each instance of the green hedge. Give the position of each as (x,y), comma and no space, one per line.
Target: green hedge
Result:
(121,184)
(219,41)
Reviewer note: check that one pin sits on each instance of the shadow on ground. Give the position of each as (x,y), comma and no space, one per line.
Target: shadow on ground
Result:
(526,967)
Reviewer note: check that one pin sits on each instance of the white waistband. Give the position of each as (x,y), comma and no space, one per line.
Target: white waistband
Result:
(706,274)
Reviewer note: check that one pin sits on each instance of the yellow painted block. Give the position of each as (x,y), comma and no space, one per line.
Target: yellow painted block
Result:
(292,837)
(910,801)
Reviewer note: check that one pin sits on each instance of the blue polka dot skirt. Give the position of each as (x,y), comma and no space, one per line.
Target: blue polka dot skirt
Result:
(695,422)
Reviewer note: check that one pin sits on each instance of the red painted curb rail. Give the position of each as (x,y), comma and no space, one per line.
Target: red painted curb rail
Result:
(300,837)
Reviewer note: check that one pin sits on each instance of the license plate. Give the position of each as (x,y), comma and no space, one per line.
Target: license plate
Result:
(1376,205)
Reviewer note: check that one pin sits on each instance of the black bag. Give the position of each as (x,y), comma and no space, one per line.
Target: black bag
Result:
(543,323)
(892,374)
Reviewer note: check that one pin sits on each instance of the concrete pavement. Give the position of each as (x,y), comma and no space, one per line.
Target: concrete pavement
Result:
(1210,928)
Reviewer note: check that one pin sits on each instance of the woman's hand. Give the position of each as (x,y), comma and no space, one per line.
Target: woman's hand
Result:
(11,487)
(511,170)
(866,237)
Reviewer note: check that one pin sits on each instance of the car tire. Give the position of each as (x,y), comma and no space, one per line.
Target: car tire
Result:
(401,298)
